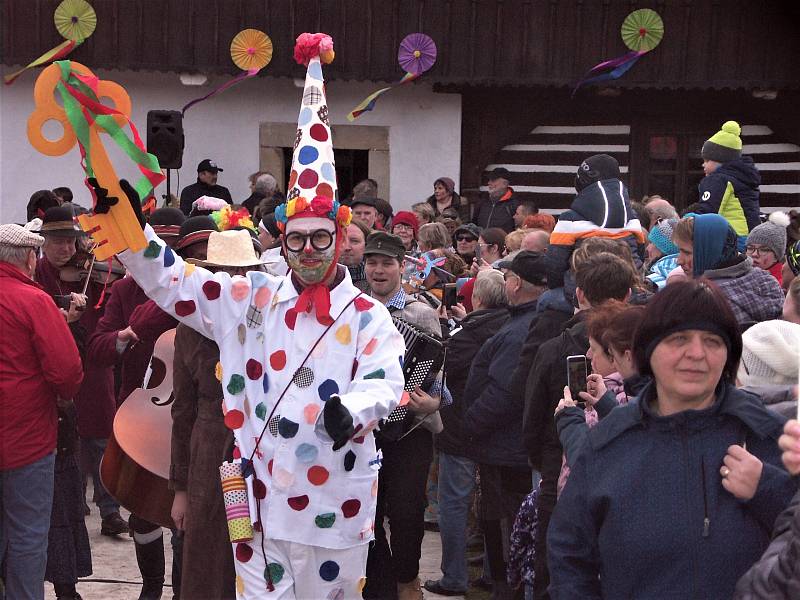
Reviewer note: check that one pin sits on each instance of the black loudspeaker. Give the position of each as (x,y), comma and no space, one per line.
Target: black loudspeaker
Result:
(165,137)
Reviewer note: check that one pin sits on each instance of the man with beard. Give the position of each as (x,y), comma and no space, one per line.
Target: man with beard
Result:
(308,366)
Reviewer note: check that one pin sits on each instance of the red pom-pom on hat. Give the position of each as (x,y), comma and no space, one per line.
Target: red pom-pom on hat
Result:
(311,45)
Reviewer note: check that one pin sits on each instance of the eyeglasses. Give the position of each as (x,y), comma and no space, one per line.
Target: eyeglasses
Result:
(509,274)
(465,238)
(750,249)
(321,239)
(404,227)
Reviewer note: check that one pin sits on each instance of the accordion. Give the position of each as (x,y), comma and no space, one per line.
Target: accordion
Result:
(422,362)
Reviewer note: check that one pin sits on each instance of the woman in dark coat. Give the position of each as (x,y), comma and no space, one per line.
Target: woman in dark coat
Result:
(445,196)
(675,494)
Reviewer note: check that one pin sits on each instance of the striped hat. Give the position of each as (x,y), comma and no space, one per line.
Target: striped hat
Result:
(725,145)
(661,236)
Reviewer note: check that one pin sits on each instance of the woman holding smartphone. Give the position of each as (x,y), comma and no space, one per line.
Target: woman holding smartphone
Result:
(673,495)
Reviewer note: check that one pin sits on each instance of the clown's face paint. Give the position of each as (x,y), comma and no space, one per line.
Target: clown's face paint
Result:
(309,264)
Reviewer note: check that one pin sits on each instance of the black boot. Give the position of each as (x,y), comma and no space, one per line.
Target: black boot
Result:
(150,558)
(66,591)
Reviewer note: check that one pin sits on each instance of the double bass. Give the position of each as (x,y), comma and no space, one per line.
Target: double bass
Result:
(136,463)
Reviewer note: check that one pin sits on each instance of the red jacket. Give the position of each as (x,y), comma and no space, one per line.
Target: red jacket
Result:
(38,362)
(128,305)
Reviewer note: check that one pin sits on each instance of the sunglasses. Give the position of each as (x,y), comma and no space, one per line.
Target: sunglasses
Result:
(321,239)
(465,238)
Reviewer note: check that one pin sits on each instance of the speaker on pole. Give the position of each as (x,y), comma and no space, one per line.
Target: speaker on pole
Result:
(165,137)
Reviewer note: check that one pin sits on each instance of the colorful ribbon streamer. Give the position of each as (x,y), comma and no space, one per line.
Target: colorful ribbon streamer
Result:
(57,53)
(368,103)
(614,68)
(84,109)
(239,78)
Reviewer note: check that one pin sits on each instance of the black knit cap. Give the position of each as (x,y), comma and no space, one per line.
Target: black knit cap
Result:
(167,216)
(596,168)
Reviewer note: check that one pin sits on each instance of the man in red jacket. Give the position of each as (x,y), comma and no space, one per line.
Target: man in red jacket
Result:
(39,367)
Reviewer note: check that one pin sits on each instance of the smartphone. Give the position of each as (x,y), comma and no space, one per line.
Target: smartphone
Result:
(450,295)
(478,252)
(577,372)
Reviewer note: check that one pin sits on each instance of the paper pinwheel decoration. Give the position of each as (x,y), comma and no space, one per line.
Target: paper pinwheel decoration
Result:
(642,31)
(76,21)
(251,51)
(418,268)
(417,54)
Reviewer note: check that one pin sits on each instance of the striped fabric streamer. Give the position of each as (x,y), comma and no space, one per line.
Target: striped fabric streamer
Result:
(610,69)
(57,53)
(368,103)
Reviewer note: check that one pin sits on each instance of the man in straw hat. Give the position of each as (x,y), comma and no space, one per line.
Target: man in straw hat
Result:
(308,366)
(40,365)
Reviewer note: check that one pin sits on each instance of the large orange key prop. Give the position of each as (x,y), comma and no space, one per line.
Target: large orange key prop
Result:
(118,229)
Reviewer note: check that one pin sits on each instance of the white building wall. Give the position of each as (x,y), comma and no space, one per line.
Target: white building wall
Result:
(424,134)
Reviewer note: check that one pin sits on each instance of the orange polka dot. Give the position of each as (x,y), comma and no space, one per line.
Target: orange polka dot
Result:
(318,475)
(292,180)
(371,345)
(234,419)
(277,360)
(324,189)
(311,412)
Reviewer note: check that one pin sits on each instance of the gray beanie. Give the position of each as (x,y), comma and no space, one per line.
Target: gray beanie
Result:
(771,234)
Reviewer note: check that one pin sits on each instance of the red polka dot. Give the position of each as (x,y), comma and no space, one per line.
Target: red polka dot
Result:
(277,360)
(183,308)
(292,179)
(300,502)
(212,289)
(319,133)
(254,369)
(243,552)
(318,475)
(350,508)
(308,179)
(236,452)
(234,419)
(269,466)
(359,440)
(259,489)
(290,318)
(324,189)
(355,368)
(257,526)
(370,347)
(362,304)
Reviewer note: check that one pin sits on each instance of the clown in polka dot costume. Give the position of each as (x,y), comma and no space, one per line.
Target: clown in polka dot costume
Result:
(312,507)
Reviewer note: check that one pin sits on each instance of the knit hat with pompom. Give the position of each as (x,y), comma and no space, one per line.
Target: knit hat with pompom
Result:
(725,145)
(772,234)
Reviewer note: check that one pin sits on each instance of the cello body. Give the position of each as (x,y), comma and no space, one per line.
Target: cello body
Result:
(136,463)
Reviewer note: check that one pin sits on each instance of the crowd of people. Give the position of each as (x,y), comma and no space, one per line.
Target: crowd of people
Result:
(615,417)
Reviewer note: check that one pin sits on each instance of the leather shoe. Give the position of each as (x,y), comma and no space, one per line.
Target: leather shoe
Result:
(113,524)
(435,586)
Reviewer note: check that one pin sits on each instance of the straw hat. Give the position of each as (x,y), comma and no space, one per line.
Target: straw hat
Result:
(233,248)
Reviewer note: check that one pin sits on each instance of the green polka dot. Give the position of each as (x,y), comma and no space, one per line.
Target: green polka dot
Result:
(275,570)
(236,384)
(153,250)
(325,520)
(378,374)
(261,411)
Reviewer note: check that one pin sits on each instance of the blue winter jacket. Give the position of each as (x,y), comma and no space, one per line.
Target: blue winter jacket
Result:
(644,514)
(732,191)
(492,422)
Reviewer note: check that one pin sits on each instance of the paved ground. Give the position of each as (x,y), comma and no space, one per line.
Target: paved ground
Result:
(114,559)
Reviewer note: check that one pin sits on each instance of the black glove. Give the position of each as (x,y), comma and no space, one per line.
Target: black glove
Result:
(338,422)
(104,202)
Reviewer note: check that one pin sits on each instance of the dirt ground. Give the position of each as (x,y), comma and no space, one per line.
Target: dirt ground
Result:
(116,576)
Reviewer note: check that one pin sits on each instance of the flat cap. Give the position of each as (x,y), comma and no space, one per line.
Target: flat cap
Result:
(19,237)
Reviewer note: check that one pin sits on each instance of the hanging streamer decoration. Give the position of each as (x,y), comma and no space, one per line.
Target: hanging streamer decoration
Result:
(417,54)
(251,51)
(642,31)
(83,117)
(76,21)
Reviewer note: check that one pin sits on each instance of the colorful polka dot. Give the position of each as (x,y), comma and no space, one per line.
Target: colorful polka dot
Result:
(241,333)
(277,360)
(349,461)
(366,319)
(319,132)
(169,257)
(329,570)
(240,290)
(324,189)
(374,490)
(247,406)
(298,502)
(235,384)
(188,269)
(234,419)
(274,570)
(405,398)
(317,475)
(183,308)
(315,70)
(362,304)
(153,250)
(376,374)
(354,370)
(269,466)
(343,335)
(303,377)
(212,289)
(360,585)
(305,117)
(328,172)
(287,428)
(311,412)
(262,296)
(239,585)
(308,179)
(259,489)
(327,389)
(283,479)
(306,453)
(370,347)
(325,520)
(243,552)
(261,411)
(258,278)
(247,468)
(307,155)
(292,179)
(253,369)
(290,318)
(218,371)
(350,508)
(265,383)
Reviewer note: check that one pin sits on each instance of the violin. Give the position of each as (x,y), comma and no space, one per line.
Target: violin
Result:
(82,267)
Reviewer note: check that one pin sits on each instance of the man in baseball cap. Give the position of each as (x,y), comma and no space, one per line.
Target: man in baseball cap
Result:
(206,185)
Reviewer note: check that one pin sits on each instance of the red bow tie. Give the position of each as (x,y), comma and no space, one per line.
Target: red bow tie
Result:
(317,296)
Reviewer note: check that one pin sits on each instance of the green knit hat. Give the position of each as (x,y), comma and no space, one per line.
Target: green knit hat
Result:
(725,145)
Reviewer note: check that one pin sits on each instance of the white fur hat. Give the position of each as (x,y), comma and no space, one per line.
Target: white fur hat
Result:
(770,353)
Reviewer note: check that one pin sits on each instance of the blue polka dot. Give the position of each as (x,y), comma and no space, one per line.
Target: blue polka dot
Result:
(247,468)
(328,172)
(307,155)
(306,453)
(265,383)
(287,429)
(305,116)
(169,257)
(401,363)
(366,318)
(329,570)
(258,278)
(315,70)
(327,389)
